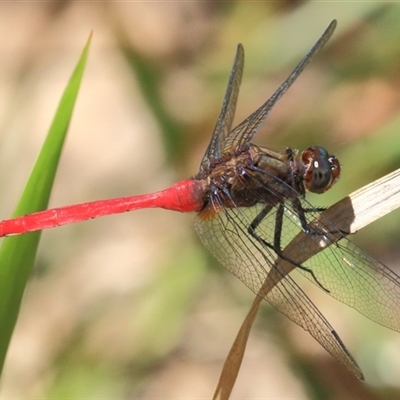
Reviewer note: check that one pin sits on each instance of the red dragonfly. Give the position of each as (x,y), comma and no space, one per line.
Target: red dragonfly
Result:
(250,204)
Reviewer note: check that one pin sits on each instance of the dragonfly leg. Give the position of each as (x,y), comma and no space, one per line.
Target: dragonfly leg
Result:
(276,246)
(310,210)
(300,211)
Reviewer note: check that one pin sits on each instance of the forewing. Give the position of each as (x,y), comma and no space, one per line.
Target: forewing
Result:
(348,273)
(246,130)
(225,119)
(226,235)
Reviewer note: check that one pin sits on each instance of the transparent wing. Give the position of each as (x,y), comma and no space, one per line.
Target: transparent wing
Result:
(225,119)
(350,274)
(226,236)
(246,130)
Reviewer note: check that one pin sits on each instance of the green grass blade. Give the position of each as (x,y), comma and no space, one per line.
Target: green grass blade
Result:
(17,254)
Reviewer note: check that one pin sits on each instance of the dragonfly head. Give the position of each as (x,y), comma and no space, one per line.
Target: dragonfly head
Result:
(322,170)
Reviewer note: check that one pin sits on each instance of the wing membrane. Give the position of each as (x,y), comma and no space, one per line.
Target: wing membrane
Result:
(225,119)
(350,274)
(227,238)
(246,130)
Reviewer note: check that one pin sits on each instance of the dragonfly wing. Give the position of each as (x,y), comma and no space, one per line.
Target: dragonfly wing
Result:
(246,130)
(350,274)
(226,235)
(225,119)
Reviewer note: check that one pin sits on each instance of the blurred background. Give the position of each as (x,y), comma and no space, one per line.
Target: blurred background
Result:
(132,306)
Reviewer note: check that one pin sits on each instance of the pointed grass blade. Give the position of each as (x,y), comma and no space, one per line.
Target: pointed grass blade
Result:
(17,254)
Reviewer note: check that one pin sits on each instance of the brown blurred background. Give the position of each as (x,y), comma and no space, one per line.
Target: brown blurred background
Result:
(132,306)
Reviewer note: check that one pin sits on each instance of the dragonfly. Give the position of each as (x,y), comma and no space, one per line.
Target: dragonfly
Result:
(250,203)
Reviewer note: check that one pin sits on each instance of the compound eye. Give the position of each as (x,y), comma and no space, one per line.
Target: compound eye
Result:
(322,170)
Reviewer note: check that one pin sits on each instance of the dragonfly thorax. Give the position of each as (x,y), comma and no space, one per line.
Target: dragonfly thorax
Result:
(243,179)
(253,175)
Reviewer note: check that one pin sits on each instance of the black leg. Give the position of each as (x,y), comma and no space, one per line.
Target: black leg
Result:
(276,247)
